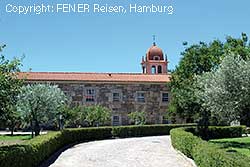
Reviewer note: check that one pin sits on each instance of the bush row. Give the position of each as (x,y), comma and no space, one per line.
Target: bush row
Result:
(146,130)
(34,151)
(218,132)
(75,135)
(31,152)
(205,154)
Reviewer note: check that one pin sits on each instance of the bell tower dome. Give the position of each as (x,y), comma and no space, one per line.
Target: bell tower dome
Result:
(154,62)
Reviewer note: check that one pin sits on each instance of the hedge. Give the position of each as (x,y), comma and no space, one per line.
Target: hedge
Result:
(184,141)
(218,132)
(33,152)
(206,154)
(86,134)
(146,130)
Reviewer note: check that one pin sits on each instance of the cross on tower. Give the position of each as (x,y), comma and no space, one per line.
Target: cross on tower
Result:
(154,40)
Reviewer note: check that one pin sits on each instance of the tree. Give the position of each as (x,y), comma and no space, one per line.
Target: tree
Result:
(196,60)
(12,119)
(9,88)
(40,103)
(138,118)
(73,116)
(97,115)
(225,92)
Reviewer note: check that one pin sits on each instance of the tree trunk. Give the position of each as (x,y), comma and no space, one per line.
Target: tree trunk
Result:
(12,130)
(245,117)
(203,125)
(37,128)
(12,127)
(32,132)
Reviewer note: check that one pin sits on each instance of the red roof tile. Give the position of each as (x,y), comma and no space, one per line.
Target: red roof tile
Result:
(94,77)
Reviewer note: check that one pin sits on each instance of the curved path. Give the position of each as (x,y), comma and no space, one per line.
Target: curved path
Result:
(153,151)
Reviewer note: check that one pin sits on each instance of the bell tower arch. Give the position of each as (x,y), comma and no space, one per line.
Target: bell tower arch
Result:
(154,62)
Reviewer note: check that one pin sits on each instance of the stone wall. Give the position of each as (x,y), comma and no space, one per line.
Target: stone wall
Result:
(128,100)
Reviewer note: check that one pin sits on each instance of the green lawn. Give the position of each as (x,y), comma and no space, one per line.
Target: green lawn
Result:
(15,137)
(241,145)
(9,140)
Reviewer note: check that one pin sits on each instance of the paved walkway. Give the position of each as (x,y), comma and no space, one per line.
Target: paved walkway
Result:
(131,152)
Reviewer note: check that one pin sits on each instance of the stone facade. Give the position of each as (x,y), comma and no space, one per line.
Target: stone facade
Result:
(121,98)
(122,93)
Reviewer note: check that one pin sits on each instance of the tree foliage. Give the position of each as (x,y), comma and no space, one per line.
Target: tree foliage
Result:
(9,88)
(196,60)
(73,117)
(78,116)
(40,103)
(138,118)
(97,115)
(226,91)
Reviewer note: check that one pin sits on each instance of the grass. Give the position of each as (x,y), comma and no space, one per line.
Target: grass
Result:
(16,139)
(241,145)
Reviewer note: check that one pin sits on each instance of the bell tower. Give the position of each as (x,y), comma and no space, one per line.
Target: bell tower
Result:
(154,62)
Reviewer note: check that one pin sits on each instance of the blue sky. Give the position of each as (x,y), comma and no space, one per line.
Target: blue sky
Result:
(93,42)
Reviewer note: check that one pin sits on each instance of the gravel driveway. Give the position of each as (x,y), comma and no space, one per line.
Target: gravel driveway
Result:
(131,152)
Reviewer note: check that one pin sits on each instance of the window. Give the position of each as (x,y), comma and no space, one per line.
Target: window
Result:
(159,70)
(116,120)
(90,95)
(153,70)
(164,97)
(141,97)
(116,97)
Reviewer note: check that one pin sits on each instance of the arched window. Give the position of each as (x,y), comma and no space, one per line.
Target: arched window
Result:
(153,70)
(159,69)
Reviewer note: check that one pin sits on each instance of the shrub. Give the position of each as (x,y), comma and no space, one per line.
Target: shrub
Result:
(184,141)
(138,118)
(226,132)
(146,130)
(206,154)
(97,115)
(86,134)
(33,152)
(36,150)
(217,132)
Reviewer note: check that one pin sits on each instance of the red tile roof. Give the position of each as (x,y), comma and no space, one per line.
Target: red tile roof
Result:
(94,77)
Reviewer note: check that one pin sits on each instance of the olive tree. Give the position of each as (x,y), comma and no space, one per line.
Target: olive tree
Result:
(97,115)
(225,92)
(40,103)
(73,117)
(196,60)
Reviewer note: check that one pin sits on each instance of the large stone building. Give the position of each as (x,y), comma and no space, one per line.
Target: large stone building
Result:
(122,93)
